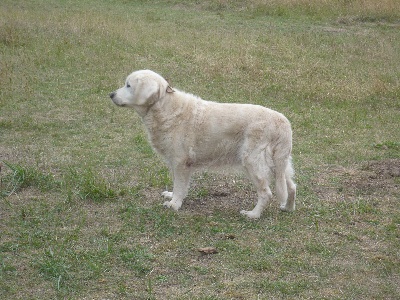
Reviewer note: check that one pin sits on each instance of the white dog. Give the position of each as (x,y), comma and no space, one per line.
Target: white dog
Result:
(191,133)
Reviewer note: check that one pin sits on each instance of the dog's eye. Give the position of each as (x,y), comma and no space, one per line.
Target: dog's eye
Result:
(128,85)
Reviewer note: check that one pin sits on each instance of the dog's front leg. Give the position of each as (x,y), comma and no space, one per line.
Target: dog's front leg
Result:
(181,186)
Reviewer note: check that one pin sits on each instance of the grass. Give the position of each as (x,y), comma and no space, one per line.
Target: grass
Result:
(80,211)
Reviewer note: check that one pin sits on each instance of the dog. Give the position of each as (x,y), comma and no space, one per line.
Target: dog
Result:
(192,134)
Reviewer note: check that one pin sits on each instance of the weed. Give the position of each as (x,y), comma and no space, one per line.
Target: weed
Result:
(388,145)
(202,193)
(283,287)
(88,186)
(18,177)
(138,258)
(54,266)
(143,146)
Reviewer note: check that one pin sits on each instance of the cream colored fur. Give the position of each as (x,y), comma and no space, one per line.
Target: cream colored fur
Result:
(191,134)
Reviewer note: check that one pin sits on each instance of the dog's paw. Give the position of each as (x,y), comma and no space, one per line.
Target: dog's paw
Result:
(250,214)
(285,208)
(167,194)
(173,205)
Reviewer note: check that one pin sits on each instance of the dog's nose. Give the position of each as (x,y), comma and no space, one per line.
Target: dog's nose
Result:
(112,95)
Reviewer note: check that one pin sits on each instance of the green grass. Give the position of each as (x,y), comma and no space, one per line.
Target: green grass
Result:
(80,209)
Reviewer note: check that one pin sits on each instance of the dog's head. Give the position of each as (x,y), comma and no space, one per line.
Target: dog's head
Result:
(141,90)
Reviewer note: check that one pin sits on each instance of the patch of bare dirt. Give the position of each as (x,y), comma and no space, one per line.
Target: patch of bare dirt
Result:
(370,178)
(375,177)
(220,192)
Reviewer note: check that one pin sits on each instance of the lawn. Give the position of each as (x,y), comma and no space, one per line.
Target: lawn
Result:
(81,215)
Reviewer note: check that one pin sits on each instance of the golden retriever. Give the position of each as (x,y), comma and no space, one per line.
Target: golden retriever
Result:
(191,134)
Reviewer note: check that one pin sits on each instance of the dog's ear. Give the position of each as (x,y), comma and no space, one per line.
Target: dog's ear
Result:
(165,88)
(169,88)
(145,91)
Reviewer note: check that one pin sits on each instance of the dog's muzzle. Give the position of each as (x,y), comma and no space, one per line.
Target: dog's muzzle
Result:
(115,99)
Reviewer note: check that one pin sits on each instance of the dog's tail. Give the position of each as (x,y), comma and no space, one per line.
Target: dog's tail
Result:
(285,186)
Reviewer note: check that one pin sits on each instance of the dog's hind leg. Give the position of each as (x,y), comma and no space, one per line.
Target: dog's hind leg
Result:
(258,171)
(181,176)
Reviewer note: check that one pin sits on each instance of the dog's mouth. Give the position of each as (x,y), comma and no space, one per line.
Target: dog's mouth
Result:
(115,100)
(117,103)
